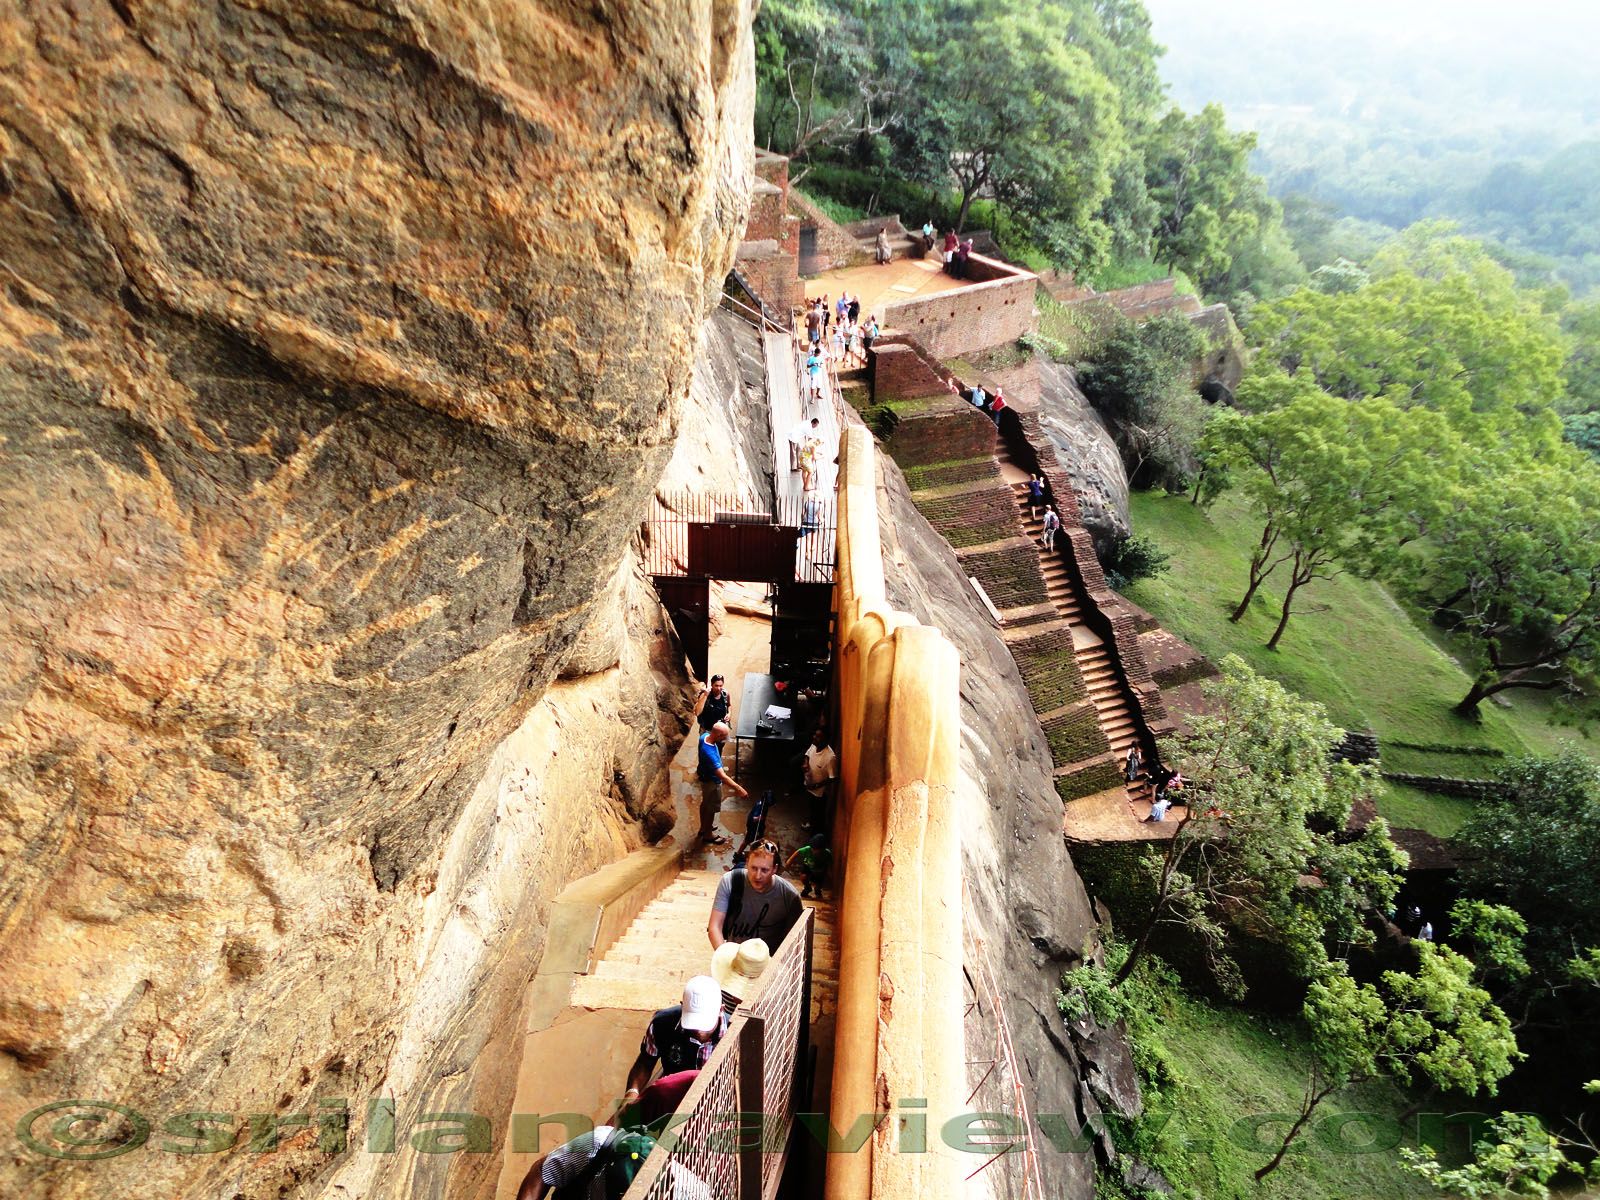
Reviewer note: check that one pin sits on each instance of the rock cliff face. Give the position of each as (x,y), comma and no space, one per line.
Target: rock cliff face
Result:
(1086,447)
(341,346)
(1025,901)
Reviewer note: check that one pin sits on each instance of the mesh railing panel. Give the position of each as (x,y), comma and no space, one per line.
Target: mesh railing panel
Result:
(699,1158)
(781,1006)
(695,1160)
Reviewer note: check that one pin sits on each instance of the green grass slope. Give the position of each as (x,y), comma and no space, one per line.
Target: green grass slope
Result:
(1349,645)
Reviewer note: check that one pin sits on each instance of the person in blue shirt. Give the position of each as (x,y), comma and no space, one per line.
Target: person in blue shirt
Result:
(712,776)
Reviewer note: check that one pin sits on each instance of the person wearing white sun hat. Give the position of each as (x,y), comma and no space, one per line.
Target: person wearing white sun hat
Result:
(737,965)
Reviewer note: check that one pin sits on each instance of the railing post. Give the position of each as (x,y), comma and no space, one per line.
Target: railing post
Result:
(752,1103)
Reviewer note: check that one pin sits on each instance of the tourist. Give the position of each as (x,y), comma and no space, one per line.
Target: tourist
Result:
(1052,524)
(755,826)
(928,234)
(1035,495)
(883,246)
(950,244)
(808,457)
(713,776)
(736,966)
(1168,780)
(1158,810)
(814,325)
(601,1163)
(814,372)
(979,397)
(854,311)
(868,336)
(753,902)
(1133,766)
(713,703)
(852,332)
(819,770)
(997,406)
(836,341)
(681,1037)
(797,435)
(1425,934)
(841,308)
(827,313)
(816,860)
(963,253)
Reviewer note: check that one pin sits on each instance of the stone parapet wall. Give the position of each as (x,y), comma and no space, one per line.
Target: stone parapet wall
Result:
(1444,785)
(992,312)
(899,1030)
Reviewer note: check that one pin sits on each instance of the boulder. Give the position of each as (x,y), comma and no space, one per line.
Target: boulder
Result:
(1087,448)
(342,346)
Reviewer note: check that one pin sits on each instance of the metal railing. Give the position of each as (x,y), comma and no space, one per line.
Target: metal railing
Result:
(1000,1087)
(729,1139)
(730,536)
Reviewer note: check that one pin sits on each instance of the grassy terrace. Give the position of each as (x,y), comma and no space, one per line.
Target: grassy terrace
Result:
(1351,646)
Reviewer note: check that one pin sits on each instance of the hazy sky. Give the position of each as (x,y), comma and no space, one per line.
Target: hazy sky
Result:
(1538,56)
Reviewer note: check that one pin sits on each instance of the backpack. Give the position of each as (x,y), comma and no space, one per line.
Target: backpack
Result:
(615,1164)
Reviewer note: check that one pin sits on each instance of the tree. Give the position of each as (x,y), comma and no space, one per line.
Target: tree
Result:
(1519,1157)
(1209,203)
(1142,378)
(1042,140)
(1441,326)
(1335,484)
(1533,847)
(1581,324)
(1517,572)
(1436,1024)
(1262,842)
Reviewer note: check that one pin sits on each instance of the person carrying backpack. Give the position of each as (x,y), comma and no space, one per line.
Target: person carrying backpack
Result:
(599,1165)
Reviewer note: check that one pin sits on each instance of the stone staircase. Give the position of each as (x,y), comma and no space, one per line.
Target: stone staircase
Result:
(1108,690)
(666,943)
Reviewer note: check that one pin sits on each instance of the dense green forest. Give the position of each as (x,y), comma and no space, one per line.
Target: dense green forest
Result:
(1417,432)
(1392,114)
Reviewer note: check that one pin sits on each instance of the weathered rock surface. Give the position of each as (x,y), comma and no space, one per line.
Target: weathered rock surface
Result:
(1087,449)
(1025,900)
(341,347)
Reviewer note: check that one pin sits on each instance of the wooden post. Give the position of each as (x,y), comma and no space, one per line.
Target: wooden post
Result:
(752,1102)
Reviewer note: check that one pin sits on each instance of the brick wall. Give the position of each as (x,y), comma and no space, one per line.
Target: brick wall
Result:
(771,274)
(768,210)
(835,247)
(900,373)
(971,518)
(975,317)
(948,430)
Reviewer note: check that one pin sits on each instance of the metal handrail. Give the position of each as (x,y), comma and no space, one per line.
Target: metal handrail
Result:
(757,1070)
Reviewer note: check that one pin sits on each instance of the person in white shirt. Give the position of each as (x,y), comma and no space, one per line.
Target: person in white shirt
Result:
(820,768)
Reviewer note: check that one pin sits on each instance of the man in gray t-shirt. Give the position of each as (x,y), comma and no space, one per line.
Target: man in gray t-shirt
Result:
(767,906)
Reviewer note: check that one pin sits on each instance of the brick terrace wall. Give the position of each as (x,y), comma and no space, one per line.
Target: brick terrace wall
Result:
(770,274)
(898,372)
(971,518)
(992,312)
(948,430)
(835,246)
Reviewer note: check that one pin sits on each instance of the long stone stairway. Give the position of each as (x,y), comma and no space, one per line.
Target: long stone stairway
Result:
(646,967)
(1107,688)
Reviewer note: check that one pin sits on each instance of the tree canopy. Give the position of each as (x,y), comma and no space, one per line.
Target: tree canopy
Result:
(1262,841)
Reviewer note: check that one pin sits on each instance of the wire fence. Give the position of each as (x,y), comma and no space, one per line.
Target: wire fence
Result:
(730,1137)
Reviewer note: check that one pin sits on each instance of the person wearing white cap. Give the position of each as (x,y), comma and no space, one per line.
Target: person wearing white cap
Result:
(737,965)
(682,1037)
